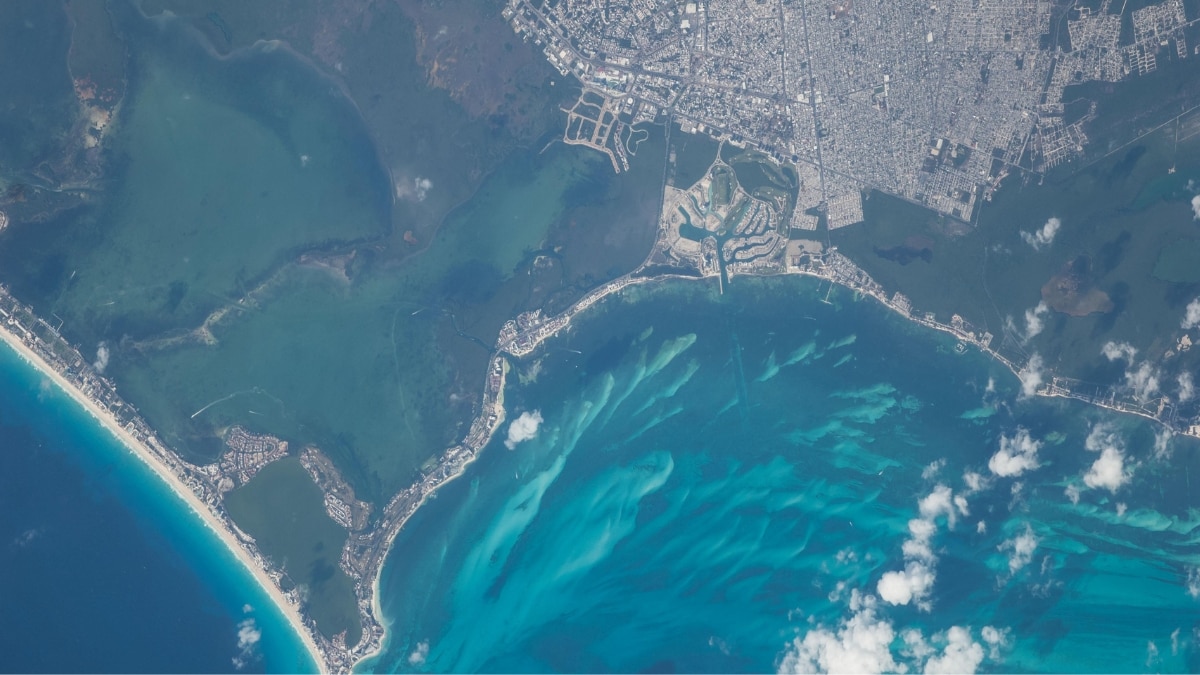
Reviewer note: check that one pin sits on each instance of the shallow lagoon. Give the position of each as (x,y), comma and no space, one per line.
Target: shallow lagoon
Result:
(718,483)
(223,169)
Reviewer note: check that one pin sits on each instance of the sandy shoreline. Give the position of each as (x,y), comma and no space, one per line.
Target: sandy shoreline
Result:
(172,481)
(376,605)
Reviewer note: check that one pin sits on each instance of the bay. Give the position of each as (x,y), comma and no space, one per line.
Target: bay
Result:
(764,481)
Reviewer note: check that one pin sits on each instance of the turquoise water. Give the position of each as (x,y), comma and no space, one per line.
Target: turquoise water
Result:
(753,483)
(106,570)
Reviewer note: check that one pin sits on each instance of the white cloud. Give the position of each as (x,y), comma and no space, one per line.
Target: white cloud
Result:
(1031,376)
(1193,583)
(523,428)
(864,642)
(26,538)
(1017,454)
(838,589)
(995,639)
(931,471)
(415,191)
(1114,351)
(101,358)
(419,654)
(974,482)
(248,636)
(1020,549)
(961,654)
(1162,444)
(1196,207)
(1044,236)
(914,582)
(1187,388)
(1101,436)
(1072,493)
(1033,321)
(861,644)
(917,546)
(1108,471)
(915,646)
(1143,380)
(1191,316)
(936,503)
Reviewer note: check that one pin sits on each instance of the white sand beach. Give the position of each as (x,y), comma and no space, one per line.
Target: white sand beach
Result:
(177,486)
(376,604)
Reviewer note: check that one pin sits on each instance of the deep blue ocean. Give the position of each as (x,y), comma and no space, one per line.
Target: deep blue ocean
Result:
(765,482)
(102,569)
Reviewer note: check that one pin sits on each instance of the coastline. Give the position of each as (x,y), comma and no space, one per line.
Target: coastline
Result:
(525,334)
(402,507)
(147,457)
(365,553)
(521,337)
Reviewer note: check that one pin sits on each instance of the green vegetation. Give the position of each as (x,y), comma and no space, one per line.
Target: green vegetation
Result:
(763,178)
(736,215)
(609,222)
(96,50)
(437,215)
(1128,243)
(39,103)
(216,189)
(756,170)
(370,371)
(381,371)
(283,509)
(1138,104)
(723,184)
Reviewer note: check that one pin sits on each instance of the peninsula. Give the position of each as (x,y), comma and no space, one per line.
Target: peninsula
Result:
(39,344)
(202,487)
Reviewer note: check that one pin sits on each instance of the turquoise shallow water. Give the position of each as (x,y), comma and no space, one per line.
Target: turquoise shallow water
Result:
(104,569)
(756,482)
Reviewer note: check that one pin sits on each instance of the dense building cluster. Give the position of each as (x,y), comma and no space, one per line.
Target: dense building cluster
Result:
(935,102)
(247,454)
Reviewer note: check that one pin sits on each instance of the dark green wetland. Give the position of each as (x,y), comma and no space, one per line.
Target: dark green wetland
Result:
(311,232)
(1127,230)
(325,254)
